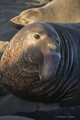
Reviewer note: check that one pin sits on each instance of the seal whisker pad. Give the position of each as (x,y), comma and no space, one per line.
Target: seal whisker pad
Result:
(41,63)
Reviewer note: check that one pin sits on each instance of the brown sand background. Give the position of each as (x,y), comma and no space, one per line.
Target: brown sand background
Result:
(9,9)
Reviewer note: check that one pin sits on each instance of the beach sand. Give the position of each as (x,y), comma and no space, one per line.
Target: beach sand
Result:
(8,9)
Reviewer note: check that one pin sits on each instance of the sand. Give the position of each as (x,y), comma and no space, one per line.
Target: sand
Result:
(8,9)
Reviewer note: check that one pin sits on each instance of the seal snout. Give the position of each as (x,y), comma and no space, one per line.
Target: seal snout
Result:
(15,24)
(33,56)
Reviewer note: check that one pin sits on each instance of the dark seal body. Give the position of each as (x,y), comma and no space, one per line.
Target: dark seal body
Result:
(41,63)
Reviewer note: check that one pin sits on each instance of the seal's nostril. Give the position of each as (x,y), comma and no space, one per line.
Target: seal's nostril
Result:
(16,25)
(24,21)
(37,36)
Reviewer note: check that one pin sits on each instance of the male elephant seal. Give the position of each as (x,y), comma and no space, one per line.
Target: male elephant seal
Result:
(57,11)
(42,63)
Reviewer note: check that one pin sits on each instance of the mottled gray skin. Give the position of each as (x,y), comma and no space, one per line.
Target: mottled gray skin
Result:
(41,63)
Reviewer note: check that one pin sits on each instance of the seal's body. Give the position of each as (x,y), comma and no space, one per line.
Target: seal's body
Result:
(42,63)
(57,11)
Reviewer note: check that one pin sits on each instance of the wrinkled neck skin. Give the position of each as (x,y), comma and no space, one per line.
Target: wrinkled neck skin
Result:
(67,76)
(58,75)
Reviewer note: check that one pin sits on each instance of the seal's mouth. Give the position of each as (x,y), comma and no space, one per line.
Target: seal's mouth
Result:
(17,22)
(16,25)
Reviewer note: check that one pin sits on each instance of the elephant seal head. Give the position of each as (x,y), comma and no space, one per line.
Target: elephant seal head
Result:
(30,63)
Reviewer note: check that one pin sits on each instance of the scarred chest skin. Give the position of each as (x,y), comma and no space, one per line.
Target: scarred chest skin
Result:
(41,63)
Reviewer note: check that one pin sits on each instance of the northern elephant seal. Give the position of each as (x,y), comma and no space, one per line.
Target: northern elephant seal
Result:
(57,11)
(42,63)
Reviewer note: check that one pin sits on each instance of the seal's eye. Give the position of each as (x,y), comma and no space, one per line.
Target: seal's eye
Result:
(37,36)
